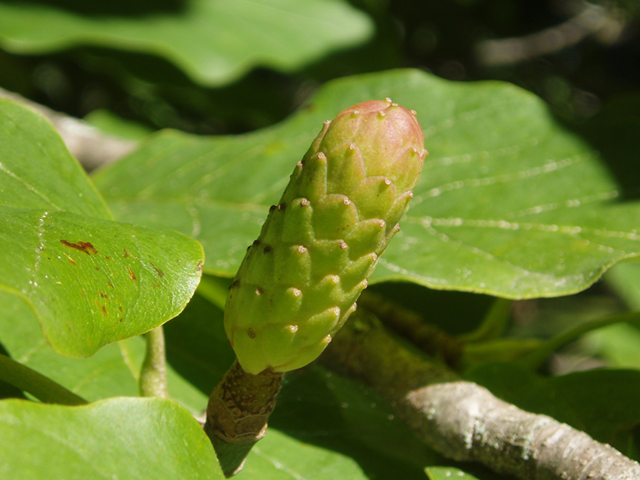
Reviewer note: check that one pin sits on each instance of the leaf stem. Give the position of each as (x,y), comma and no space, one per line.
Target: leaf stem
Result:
(41,387)
(539,356)
(493,325)
(153,376)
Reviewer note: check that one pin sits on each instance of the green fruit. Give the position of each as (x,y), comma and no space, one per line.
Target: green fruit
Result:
(300,279)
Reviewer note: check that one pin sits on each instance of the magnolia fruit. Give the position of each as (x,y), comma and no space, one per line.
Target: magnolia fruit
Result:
(300,279)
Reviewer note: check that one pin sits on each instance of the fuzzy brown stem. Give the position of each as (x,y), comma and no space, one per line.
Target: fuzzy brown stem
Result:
(464,421)
(237,414)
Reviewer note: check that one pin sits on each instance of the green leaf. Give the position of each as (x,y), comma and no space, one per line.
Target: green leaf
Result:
(213,41)
(118,438)
(90,281)
(509,203)
(37,171)
(447,473)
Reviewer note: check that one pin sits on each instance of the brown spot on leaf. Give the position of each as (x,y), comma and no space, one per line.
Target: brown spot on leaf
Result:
(126,254)
(85,247)
(103,295)
(120,307)
(251,333)
(132,275)
(158,271)
(121,320)
(109,284)
(236,283)
(107,258)
(267,249)
(104,310)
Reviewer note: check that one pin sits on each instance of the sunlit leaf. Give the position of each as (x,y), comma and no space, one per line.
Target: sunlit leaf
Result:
(90,280)
(150,438)
(509,203)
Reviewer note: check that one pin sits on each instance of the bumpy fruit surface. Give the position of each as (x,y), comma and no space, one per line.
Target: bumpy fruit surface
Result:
(300,279)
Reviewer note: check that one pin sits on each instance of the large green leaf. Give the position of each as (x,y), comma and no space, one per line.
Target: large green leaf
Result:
(89,280)
(509,203)
(118,438)
(213,41)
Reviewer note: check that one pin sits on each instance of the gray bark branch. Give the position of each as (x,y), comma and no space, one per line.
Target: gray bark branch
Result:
(506,51)
(463,420)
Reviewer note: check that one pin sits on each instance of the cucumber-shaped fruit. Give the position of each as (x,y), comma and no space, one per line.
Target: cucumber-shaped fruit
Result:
(300,279)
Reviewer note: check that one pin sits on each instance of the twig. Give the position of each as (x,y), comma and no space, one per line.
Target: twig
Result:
(89,145)
(513,50)
(41,387)
(153,376)
(237,414)
(464,421)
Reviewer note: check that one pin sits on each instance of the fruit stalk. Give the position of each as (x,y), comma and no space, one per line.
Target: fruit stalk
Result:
(237,414)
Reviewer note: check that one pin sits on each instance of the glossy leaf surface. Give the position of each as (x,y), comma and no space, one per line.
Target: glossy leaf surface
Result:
(509,203)
(49,441)
(90,280)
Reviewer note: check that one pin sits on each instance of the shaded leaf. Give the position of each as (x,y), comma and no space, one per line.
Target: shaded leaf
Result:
(150,438)
(213,41)
(509,203)
(280,457)
(89,280)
